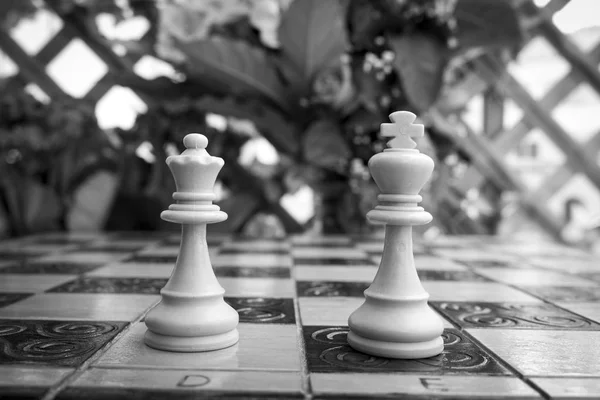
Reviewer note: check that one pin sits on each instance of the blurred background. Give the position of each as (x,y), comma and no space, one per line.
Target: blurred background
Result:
(95,94)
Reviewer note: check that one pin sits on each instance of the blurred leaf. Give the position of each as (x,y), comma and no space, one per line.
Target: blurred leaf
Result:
(163,88)
(420,62)
(324,145)
(485,23)
(92,201)
(43,207)
(365,23)
(277,129)
(246,70)
(312,36)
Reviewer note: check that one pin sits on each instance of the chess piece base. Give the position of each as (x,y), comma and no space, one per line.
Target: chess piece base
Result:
(400,350)
(191,344)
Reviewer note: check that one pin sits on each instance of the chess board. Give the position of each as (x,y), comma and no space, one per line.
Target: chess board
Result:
(522,320)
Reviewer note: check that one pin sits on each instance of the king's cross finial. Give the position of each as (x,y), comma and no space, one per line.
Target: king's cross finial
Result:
(402,130)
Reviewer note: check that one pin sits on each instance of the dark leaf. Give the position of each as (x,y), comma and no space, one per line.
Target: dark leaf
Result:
(365,23)
(485,23)
(420,62)
(312,36)
(324,146)
(92,200)
(272,125)
(163,88)
(245,69)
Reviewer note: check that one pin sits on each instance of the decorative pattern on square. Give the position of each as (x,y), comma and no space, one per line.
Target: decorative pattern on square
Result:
(327,350)
(331,289)
(64,343)
(263,310)
(332,261)
(510,315)
(449,275)
(10,298)
(49,267)
(566,293)
(251,272)
(112,285)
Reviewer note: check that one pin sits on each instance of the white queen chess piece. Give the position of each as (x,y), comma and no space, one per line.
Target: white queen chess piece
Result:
(395,320)
(192,314)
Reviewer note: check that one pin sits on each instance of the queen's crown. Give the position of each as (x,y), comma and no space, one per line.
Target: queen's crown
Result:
(194,170)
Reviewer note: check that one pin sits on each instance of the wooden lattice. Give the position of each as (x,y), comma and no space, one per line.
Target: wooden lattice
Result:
(487,76)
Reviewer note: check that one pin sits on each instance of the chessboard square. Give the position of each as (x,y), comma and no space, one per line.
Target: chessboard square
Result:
(85,257)
(335,273)
(328,252)
(252,260)
(566,264)
(256,246)
(324,262)
(331,288)
(133,270)
(149,259)
(533,277)
(173,383)
(128,244)
(594,276)
(258,310)
(31,283)
(477,264)
(30,376)
(476,255)
(541,249)
(475,291)
(334,311)
(17,256)
(590,310)
(81,306)
(258,287)
(112,285)
(49,267)
(513,316)
(371,247)
(313,240)
(10,298)
(427,386)
(58,343)
(327,311)
(449,275)
(36,248)
(61,238)
(157,251)
(566,294)
(253,272)
(570,388)
(437,263)
(543,353)
(271,347)
(327,351)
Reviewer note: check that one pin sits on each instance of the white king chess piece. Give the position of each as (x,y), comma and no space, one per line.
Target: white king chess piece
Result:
(395,320)
(192,315)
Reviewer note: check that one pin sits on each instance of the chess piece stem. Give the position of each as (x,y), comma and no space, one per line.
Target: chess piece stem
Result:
(192,314)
